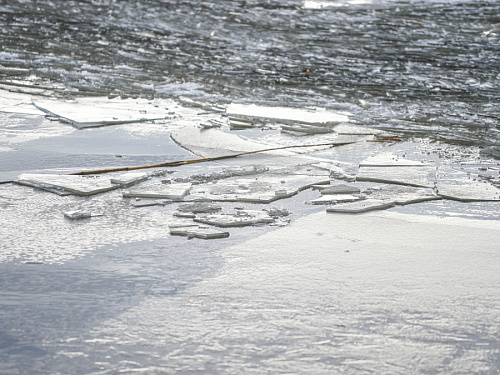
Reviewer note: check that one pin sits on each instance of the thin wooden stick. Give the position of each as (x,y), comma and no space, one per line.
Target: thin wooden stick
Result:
(202,160)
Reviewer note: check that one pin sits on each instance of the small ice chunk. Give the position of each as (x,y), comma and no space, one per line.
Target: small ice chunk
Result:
(77,215)
(336,198)
(129,179)
(199,207)
(239,219)
(339,189)
(197,231)
(361,206)
(160,191)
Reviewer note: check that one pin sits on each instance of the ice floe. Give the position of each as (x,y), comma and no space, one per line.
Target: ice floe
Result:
(421,176)
(197,231)
(68,184)
(361,206)
(77,215)
(174,191)
(240,218)
(287,114)
(470,192)
(89,112)
(336,198)
(338,189)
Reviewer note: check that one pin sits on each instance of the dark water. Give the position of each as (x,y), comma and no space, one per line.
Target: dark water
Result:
(424,68)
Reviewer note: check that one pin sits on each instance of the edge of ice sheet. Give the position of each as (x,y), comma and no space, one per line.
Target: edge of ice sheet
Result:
(287,114)
(102,111)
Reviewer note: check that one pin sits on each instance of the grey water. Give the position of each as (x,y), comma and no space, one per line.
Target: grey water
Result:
(422,68)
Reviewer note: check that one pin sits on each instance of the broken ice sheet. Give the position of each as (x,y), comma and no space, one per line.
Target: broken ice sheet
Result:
(128,179)
(361,206)
(17,103)
(214,143)
(175,191)
(68,184)
(336,198)
(401,195)
(264,188)
(421,176)
(101,111)
(389,159)
(241,218)
(349,129)
(199,207)
(461,185)
(470,192)
(338,189)
(197,231)
(286,114)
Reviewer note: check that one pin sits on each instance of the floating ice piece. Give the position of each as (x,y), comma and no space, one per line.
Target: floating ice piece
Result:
(402,195)
(150,203)
(361,206)
(160,191)
(68,184)
(388,159)
(338,189)
(101,111)
(423,176)
(17,103)
(349,129)
(471,192)
(305,129)
(129,179)
(77,215)
(277,212)
(336,198)
(206,106)
(199,207)
(241,218)
(197,231)
(214,142)
(286,114)
(264,188)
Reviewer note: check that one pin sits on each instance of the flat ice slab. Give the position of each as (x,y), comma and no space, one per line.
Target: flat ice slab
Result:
(422,176)
(77,215)
(197,231)
(388,159)
(68,184)
(338,189)
(402,195)
(241,218)
(264,188)
(159,191)
(101,111)
(361,206)
(349,129)
(470,192)
(336,198)
(308,116)
(214,142)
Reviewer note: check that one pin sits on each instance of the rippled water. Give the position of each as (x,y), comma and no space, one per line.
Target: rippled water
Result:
(428,68)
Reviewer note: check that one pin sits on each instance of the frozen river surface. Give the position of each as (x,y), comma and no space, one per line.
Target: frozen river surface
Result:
(114,274)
